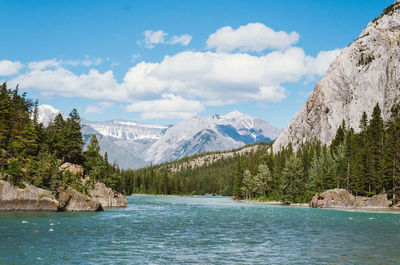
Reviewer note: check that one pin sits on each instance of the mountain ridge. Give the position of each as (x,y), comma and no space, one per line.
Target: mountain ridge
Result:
(136,144)
(364,73)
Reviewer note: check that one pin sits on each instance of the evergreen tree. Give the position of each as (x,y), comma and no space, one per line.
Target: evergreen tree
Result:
(293,188)
(375,142)
(74,141)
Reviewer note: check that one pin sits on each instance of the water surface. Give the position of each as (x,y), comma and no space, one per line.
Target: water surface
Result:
(200,230)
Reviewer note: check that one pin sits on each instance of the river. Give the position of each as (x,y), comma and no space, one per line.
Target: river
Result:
(200,230)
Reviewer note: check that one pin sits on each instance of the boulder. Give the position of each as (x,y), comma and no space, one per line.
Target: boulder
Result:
(72,200)
(107,197)
(30,198)
(341,198)
(73,168)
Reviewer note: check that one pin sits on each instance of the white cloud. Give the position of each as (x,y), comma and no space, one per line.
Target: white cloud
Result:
(99,107)
(181,85)
(198,78)
(153,37)
(221,78)
(62,82)
(8,67)
(253,37)
(183,39)
(41,65)
(168,107)
(319,65)
(160,37)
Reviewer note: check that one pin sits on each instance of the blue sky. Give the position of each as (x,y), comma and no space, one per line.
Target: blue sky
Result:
(161,61)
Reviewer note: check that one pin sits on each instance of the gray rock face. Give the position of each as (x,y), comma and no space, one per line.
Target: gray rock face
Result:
(341,198)
(30,198)
(365,73)
(107,197)
(71,200)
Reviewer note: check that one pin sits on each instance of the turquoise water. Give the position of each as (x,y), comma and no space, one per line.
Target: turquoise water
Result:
(200,230)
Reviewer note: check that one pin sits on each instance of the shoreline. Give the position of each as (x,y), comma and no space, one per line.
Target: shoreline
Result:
(160,195)
(306,205)
(277,203)
(303,205)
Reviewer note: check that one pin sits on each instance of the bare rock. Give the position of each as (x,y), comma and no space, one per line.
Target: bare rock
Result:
(107,197)
(341,198)
(337,198)
(30,198)
(72,200)
(365,73)
(73,168)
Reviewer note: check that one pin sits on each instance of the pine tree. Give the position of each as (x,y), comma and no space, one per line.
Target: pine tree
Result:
(375,139)
(238,179)
(293,188)
(5,116)
(74,141)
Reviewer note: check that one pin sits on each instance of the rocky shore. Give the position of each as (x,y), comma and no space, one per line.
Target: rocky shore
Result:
(341,198)
(32,198)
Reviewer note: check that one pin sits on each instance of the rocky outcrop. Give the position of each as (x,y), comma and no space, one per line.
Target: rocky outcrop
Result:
(73,168)
(365,73)
(71,200)
(341,198)
(30,198)
(107,197)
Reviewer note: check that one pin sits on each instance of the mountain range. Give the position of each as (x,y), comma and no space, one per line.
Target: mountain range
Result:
(133,144)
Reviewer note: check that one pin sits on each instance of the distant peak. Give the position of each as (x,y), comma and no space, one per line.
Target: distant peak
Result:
(48,107)
(234,114)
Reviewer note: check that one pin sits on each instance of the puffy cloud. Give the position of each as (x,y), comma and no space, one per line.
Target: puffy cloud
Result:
(319,65)
(183,39)
(8,67)
(196,78)
(160,37)
(181,85)
(168,107)
(99,107)
(253,37)
(62,82)
(153,37)
(221,78)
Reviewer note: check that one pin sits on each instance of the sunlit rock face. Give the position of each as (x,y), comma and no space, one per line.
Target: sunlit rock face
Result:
(364,73)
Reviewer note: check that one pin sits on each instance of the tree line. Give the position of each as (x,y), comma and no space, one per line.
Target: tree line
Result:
(364,163)
(31,153)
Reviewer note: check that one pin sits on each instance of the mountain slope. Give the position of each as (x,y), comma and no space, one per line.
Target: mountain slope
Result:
(133,144)
(365,73)
(212,133)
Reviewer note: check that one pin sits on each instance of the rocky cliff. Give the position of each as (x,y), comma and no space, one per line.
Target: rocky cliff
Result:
(365,73)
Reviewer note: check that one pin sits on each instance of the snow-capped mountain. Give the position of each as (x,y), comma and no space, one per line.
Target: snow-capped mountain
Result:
(213,133)
(47,113)
(133,144)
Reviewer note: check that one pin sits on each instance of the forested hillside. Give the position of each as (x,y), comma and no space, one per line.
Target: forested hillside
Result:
(31,153)
(364,163)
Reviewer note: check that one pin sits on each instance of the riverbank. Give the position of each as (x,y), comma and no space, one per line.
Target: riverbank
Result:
(274,203)
(160,195)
